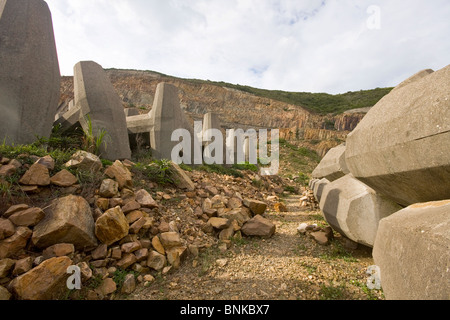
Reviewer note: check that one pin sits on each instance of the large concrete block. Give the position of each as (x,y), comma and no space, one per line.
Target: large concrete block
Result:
(167,116)
(354,209)
(29,71)
(96,97)
(401,148)
(332,166)
(318,188)
(412,249)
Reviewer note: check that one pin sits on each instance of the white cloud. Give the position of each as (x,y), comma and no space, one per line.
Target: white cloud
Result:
(308,45)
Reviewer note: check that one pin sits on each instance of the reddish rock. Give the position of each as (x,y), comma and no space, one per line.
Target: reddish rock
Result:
(259,226)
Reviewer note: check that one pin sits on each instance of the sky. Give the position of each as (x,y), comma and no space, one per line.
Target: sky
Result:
(331,46)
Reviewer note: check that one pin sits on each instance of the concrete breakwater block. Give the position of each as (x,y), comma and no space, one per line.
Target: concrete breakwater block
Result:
(354,209)
(412,250)
(401,148)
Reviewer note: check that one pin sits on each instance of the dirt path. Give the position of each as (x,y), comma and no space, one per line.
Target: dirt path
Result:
(288,266)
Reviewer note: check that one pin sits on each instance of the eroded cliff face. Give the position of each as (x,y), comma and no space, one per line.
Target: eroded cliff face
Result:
(236,109)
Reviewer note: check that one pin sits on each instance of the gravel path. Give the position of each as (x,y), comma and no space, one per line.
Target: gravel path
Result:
(288,266)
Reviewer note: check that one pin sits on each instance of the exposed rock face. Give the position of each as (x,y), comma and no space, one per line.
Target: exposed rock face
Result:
(348,121)
(412,251)
(354,209)
(96,97)
(67,220)
(29,73)
(401,147)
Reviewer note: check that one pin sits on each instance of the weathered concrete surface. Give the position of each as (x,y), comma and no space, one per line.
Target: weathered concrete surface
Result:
(332,166)
(131,112)
(96,97)
(69,120)
(401,148)
(419,75)
(412,249)
(318,188)
(167,116)
(29,71)
(354,209)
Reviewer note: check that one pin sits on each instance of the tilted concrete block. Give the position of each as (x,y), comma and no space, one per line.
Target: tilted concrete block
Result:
(96,97)
(29,71)
(318,188)
(167,116)
(332,166)
(354,209)
(401,148)
(412,250)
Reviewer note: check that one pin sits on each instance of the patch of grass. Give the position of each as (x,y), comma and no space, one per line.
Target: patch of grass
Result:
(337,251)
(207,258)
(220,169)
(119,277)
(332,292)
(158,171)
(246,166)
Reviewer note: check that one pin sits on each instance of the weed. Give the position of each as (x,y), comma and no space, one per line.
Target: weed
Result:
(120,275)
(332,293)
(92,142)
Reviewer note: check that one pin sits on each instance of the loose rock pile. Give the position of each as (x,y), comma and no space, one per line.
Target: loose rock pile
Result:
(119,226)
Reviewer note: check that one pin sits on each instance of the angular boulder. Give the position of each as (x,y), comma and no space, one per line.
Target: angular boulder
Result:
(332,166)
(318,188)
(259,226)
(401,147)
(29,74)
(354,209)
(45,282)
(413,252)
(255,206)
(67,220)
(181,179)
(85,161)
(18,241)
(96,96)
(112,226)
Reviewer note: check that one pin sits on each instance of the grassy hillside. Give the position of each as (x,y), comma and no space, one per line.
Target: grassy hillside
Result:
(320,103)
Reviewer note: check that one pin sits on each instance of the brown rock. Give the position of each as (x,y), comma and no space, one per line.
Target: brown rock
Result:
(64,179)
(157,245)
(22,266)
(131,247)
(109,188)
(127,260)
(181,179)
(163,227)
(134,216)
(141,254)
(234,203)
(107,287)
(47,162)
(100,252)
(129,284)
(37,175)
(145,199)
(102,204)
(67,220)
(280,207)
(173,258)
(114,202)
(170,240)
(259,226)
(27,218)
(18,241)
(320,237)
(59,250)
(220,223)
(43,282)
(4,294)
(256,207)
(112,226)
(5,267)
(131,206)
(85,161)
(156,260)
(7,170)
(14,209)
(86,271)
(7,229)
(116,253)
(227,234)
(121,174)
(138,225)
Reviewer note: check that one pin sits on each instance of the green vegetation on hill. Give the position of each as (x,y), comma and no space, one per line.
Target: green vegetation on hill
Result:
(320,103)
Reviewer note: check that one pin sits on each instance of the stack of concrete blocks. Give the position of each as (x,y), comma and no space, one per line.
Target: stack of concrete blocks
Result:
(139,128)
(333,165)
(166,117)
(29,71)
(399,156)
(101,105)
(319,186)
